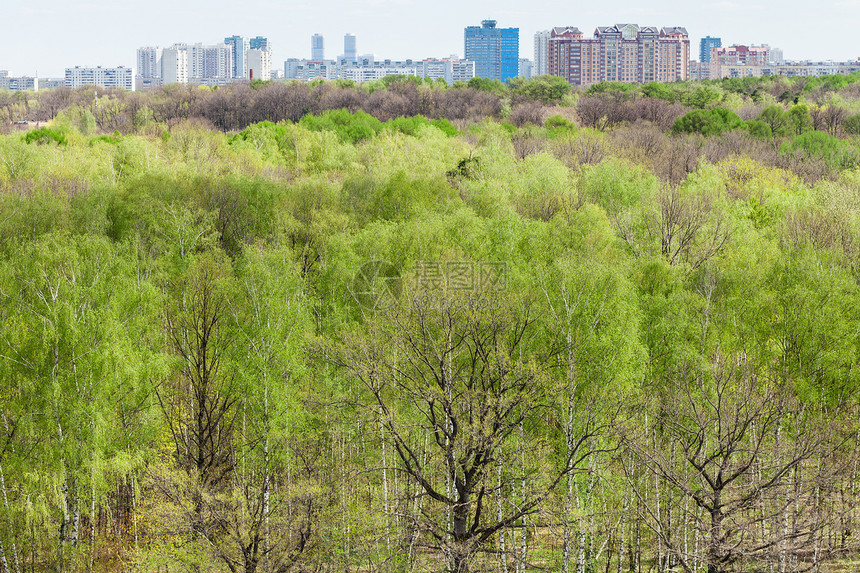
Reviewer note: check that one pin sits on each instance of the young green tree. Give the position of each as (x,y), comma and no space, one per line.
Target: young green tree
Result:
(75,360)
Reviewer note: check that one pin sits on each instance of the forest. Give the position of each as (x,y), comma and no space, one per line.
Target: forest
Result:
(410,327)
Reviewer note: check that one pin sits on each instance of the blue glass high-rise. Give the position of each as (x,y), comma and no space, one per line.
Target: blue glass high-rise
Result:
(495,51)
(705,48)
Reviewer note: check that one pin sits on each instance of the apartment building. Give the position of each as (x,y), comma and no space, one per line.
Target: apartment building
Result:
(624,53)
(259,64)
(17,84)
(450,69)
(540,65)
(120,77)
(707,44)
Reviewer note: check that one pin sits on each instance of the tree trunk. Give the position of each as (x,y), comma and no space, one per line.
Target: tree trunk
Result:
(13,547)
(715,550)
(502,552)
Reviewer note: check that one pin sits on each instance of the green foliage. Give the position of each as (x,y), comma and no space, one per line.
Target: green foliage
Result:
(400,197)
(388,81)
(610,88)
(413,125)
(658,90)
(852,125)
(559,123)
(45,135)
(487,85)
(702,97)
(641,274)
(759,129)
(801,121)
(779,122)
(545,89)
(820,145)
(349,127)
(708,122)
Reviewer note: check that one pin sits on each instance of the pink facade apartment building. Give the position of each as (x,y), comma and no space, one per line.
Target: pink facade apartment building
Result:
(624,53)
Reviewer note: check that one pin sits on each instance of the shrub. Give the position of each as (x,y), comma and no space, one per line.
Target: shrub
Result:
(708,122)
(46,135)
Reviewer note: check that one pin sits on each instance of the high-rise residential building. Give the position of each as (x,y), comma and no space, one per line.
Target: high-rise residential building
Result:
(174,65)
(259,64)
(259,43)
(775,55)
(706,45)
(317,47)
(307,70)
(196,60)
(291,68)
(495,51)
(540,65)
(216,64)
(367,69)
(149,62)
(788,69)
(526,68)
(624,53)
(239,46)
(350,53)
(120,77)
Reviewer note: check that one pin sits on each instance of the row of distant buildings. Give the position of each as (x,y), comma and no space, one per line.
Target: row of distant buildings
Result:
(632,54)
(237,58)
(365,68)
(741,61)
(626,53)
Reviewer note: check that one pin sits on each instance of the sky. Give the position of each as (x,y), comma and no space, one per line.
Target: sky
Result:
(46,36)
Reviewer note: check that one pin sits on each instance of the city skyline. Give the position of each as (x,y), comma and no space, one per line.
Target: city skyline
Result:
(375,23)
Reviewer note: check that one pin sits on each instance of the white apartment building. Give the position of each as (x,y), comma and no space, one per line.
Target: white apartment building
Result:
(526,68)
(174,65)
(540,65)
(119,77)
(208,62)
(368,69)
(450,69)
(259,65)
(308,70)
(149,62)
(16,84)
(361,74)
(217,63)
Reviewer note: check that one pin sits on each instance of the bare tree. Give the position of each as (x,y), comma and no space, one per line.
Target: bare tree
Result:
(456,371)
(742,449)
(199,408)
(689,227)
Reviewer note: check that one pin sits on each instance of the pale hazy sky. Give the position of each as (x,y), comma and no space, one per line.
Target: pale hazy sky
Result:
(46,36)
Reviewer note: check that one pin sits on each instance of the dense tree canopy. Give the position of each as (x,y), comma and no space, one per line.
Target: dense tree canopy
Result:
(404,326)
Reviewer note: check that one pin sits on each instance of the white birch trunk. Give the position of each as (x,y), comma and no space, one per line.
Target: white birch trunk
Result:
(385,506)
(13,547)
(502,552)
(523,496)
